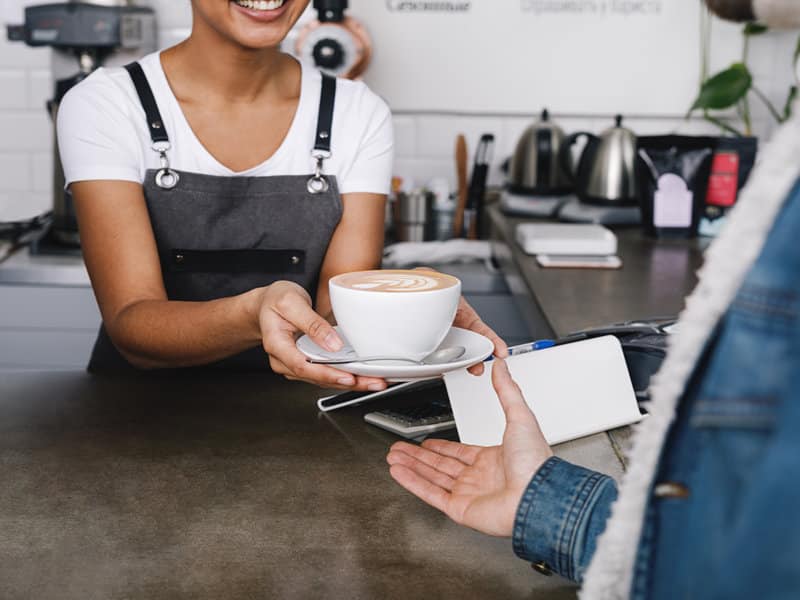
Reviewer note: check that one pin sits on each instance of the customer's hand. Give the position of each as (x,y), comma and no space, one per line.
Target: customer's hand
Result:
(477,487)
(284,314)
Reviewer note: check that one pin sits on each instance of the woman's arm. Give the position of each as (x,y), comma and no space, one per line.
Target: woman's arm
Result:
(151,331)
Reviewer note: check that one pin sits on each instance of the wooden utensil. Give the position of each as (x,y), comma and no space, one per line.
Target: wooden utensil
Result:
(463,185)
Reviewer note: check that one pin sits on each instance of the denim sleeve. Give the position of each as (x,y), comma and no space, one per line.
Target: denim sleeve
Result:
(562,513)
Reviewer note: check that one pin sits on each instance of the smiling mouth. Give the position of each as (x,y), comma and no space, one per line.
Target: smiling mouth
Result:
(261,5)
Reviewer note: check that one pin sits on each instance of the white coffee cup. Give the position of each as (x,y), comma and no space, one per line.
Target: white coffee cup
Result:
(395,312)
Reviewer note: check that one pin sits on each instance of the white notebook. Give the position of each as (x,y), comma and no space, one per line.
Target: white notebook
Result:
(562,239)
(574,390)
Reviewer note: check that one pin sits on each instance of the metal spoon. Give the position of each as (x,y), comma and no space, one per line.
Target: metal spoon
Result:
(439,357)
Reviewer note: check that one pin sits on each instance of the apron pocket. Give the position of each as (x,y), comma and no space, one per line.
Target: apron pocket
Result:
(236,261)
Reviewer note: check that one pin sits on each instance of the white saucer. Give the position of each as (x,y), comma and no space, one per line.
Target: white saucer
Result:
(478,348)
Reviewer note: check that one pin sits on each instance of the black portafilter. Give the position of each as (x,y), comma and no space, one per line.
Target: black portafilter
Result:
(330,11)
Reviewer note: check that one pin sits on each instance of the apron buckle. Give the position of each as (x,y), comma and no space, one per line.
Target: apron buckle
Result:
(318,183)
(166,178)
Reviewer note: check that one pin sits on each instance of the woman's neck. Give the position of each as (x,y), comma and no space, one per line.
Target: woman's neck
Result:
(210,65)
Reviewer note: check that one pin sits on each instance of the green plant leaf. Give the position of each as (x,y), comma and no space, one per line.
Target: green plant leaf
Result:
(796,53)
(724,89)
(754,28)
(787,110)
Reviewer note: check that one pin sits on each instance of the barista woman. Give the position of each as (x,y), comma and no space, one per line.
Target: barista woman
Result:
(219,185)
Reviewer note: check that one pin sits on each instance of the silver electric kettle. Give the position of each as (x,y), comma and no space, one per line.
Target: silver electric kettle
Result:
(535,168)
(606,172)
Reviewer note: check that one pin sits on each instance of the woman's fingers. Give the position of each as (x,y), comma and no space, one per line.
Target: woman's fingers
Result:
(467,318)
(445,464)
(476,370)
(423,489)
(511,398)
(461,452)
(436,477)
(296,309)
(338,380)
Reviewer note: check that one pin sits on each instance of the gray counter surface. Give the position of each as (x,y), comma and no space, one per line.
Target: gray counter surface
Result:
(654,281)
(22,268)
(221,486)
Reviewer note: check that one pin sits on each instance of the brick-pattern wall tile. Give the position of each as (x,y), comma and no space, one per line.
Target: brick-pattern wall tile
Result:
(40,88)
(42,172)
(13,89)
(15,172)
(25,131)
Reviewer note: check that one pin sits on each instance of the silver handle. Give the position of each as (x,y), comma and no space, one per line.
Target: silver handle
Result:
(343,361)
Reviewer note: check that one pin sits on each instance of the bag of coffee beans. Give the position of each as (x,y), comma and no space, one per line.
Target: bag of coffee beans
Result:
(673,172)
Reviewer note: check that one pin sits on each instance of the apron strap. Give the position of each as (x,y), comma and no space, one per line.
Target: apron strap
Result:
(154,121)
(327,101)
(317,183)
(166,178)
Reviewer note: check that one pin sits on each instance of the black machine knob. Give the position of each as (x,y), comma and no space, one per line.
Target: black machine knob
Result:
(330,11)
(328,54)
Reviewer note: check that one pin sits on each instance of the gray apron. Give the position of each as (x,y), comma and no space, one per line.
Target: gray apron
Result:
(222,236)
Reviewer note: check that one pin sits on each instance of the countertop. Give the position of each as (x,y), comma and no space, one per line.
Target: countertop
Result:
(210,485)
(223,486)
(654,280)
(23,268)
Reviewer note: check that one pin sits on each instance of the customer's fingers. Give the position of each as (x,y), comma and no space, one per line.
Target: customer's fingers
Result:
(461,452)
(440,462)
(423,489)
(297,310)
(509,393)
(439,478)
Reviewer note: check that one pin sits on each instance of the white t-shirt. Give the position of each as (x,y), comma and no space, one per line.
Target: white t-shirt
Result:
(102,133)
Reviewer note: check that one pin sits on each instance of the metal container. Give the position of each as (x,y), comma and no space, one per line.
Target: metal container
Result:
(606,173)
(414,220)
(535,168)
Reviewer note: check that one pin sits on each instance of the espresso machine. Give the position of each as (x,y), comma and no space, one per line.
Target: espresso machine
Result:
(84,35)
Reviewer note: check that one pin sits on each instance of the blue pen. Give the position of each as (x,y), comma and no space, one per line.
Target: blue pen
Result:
(525,348)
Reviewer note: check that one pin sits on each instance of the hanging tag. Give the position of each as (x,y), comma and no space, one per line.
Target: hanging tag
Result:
(723,185)
(673,203)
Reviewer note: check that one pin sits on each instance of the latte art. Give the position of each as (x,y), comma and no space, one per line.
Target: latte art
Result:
(395,281)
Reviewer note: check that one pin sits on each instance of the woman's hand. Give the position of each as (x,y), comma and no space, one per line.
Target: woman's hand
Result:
(477,487)
(284,313)
(467,318)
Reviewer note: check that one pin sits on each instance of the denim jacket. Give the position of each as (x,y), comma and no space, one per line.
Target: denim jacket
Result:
(723,516)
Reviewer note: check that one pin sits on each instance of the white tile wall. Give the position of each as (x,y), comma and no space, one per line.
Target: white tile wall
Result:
(424,142)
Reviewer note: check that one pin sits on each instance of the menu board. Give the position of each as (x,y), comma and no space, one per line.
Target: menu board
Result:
(515,56)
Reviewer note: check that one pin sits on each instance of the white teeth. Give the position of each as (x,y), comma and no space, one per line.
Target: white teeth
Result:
(260,4)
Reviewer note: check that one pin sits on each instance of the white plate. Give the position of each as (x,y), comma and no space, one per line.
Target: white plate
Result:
(478,348)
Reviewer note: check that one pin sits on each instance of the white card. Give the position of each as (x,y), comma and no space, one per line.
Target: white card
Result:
(574,390)
(673,202)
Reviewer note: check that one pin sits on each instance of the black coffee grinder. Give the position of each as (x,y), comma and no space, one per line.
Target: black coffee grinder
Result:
(84,35)
(335,43)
